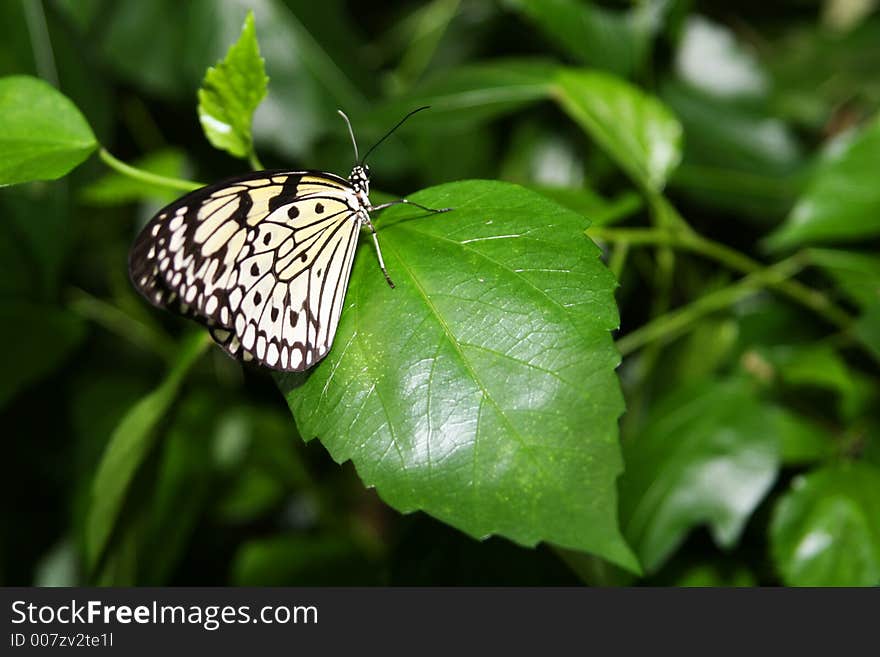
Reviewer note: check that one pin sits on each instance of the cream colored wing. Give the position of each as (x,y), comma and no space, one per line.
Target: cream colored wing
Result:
(263,260)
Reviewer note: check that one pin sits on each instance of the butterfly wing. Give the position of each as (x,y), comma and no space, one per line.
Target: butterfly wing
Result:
(263,260)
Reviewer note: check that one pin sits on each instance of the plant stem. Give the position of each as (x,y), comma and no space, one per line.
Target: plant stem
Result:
(672,324)
(618,259)
(254,161)
(690,241)
(146,176)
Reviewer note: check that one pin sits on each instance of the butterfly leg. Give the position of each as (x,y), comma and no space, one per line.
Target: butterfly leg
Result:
(408,202)
(379,252)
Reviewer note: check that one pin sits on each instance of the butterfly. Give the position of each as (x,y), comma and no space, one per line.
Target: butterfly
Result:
(263,259)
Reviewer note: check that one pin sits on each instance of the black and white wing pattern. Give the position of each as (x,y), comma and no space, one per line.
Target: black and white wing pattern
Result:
(263,260)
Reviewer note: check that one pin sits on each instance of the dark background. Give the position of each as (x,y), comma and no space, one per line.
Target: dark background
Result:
(231,494)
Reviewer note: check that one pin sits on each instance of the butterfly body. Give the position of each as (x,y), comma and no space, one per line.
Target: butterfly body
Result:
(263,260)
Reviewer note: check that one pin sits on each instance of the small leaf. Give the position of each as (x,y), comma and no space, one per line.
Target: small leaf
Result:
(707,454)
(482,389)
(42,133)
(826,529)
(842,202)
(231,92)
(316,68)
(128,446)
(634,129)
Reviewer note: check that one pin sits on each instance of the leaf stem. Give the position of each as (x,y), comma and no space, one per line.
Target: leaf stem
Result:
(674,323)
(691,241)
(618,259)
(146,176)
(254,161)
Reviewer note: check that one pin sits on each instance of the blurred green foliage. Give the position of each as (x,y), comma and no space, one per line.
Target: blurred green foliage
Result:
(725,162)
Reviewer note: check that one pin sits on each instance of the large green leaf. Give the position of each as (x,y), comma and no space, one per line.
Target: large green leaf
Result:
(635,129)
(482,389)
(231,92)
(615,41)
(707,454)
(42,134)
(128,446)
(826,529)
(842,201)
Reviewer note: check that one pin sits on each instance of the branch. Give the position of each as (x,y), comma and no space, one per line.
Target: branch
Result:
(690,241)
(146,176)
(674,323)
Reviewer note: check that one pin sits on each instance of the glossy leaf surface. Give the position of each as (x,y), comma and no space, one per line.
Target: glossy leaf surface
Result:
(482,389)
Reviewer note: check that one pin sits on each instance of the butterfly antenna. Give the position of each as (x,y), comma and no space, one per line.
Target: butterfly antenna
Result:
(390,132)
(350,132)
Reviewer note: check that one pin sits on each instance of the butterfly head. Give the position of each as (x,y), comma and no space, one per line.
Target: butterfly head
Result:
(360,179)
